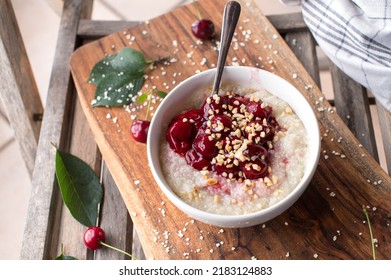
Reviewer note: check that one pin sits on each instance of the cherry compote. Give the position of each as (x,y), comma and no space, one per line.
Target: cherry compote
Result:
(230,135)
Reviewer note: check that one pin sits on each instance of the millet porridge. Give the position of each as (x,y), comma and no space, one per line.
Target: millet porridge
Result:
(234,153)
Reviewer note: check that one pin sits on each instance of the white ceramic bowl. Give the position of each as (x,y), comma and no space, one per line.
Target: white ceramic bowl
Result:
(174,103)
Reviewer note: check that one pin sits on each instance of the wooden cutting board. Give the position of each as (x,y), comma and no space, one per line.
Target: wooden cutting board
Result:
(326,223)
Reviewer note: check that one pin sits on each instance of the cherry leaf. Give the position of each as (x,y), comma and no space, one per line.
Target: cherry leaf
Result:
(118,77)
(117,90)
(100,70)
(80,188)
(161,94)
(129,61)
(63,257)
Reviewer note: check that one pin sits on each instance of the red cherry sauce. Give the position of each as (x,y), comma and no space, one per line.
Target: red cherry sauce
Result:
(230,135)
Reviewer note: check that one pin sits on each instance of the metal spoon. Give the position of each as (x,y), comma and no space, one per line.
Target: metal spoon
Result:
(230,19)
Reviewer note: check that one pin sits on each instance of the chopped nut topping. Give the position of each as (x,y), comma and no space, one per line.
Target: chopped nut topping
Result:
(268,182)
(236,133)
(211,181)
(256,167)
(288,110)
(274,179)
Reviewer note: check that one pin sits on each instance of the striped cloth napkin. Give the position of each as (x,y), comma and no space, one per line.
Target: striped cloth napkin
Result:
(356,36)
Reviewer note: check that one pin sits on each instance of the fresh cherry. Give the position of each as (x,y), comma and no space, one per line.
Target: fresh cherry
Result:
(139,130)
(203,29)
(93,237)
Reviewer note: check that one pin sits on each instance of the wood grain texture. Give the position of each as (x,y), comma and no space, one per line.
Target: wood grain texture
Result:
(93,29)
(18,90)
(115,220)
(44,199)
(385,125)
(326,222)
(291,22)
(303,46)
(352,105)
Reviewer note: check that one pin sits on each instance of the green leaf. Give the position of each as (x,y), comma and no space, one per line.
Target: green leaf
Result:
(118,78)
(100,70)
(62,257)
(80,188)
(129,61)
(117,90)
(162,94)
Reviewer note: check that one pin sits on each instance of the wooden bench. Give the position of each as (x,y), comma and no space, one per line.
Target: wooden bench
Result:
(49,225)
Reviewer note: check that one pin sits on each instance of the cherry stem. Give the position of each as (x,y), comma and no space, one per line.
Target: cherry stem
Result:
(197,5)
(148,104)
(370,232)
(157,61)
(118,250)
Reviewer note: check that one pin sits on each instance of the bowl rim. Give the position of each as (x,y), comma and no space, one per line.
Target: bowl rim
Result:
(287,201)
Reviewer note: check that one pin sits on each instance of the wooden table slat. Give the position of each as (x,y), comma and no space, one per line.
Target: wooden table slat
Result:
(137,248)
(43,200)
(114,220)
(93,29)
(385,126)
(18,90)
(303,46)
(352,106)
(291,22)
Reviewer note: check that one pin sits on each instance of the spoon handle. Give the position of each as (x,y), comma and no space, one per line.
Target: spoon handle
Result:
(230,19)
